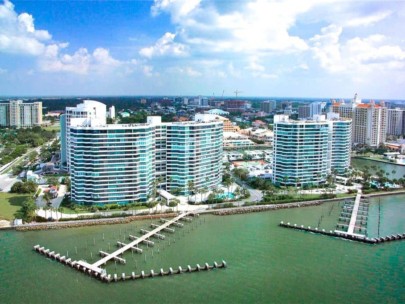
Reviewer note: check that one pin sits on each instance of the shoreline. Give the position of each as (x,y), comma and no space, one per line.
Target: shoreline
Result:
(220,212)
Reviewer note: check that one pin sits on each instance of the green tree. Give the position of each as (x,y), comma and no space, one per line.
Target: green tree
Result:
(27,211)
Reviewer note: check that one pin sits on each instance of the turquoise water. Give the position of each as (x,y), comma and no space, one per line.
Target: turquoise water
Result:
(267,263)
(227,195)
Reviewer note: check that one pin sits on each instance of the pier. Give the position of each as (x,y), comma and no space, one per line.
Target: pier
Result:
(344,235)
(96,271)
(107,278)
(134,243)
(353,217)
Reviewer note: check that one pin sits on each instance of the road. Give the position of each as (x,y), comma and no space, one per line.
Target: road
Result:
(6,181)
(55,203)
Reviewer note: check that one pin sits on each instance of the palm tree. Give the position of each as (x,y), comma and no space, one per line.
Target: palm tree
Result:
(204,190)
(47,197)
(190,188)
(229,183)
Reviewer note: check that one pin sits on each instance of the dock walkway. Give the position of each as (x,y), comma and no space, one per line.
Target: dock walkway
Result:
(96,266)
(353,219)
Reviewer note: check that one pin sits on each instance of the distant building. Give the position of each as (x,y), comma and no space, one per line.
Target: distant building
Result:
(304,111)
(268,106)
(111,112)
(18,114)
(369,124)
(236,106)
(317,108)
(396,122)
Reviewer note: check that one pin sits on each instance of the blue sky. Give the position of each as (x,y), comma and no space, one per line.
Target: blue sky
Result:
(311,48)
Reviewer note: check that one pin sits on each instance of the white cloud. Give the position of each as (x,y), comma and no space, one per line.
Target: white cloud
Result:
(3,71)
(177,8)
(18,34)
(368,20)
(147,70)
(326,48)
(164,46)
(355,55)
(81,62)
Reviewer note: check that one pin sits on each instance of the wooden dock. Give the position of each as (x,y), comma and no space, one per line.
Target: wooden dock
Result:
(345,235)
(134,243)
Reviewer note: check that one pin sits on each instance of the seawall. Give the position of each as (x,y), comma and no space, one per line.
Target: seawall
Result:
(91,222)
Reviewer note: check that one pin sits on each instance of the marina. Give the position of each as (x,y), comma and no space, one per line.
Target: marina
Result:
(96,271)
(335,270)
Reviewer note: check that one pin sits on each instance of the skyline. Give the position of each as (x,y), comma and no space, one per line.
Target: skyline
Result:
(192,47)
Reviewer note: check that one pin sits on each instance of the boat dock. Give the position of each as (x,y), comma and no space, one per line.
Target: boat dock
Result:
(353,218)
(96,271)
(135,242)
(344,235)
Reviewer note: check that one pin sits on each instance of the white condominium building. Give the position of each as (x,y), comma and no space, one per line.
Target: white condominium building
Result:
(18,114)
(305,152)
(88,113)
(126,163)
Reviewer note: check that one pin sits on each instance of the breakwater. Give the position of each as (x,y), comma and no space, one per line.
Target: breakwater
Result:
(107,278)
(82,223)
(348,236)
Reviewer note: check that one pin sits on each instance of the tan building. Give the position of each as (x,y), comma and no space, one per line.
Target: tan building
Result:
(370,124)
(20,115)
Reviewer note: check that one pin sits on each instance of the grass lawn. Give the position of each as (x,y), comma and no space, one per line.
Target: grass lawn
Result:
(10,203)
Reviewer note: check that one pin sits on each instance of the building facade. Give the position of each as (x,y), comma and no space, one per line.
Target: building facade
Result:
(369,124)
(395,122)
(88,113)
(268,106)
(127,163)
(304,111)
(306,152)
(18,114)
(341,143)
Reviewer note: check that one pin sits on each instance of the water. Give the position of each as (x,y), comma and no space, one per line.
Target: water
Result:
(266,263)
(227,195)
(360,163)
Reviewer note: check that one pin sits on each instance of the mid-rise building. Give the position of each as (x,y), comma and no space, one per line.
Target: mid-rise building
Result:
(111,112)
(268,106)
(369,124)
(306,152)
(317,108)
(304,111)
(126,163)
(18,114)
(235,106)
(396,122)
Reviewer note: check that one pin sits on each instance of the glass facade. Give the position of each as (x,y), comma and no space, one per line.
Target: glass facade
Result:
(301,153)
(110,165)
(120,163)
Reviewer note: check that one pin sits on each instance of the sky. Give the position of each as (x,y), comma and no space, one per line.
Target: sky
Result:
(311,48)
